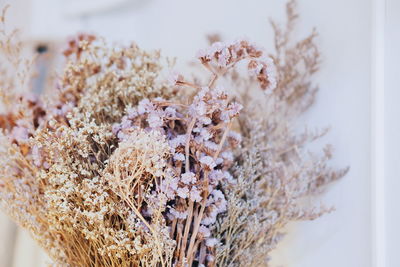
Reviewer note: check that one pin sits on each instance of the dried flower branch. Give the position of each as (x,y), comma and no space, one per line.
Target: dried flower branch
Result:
(296,62)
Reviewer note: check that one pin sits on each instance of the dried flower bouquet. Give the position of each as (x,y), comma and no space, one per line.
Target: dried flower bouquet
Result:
(119,166)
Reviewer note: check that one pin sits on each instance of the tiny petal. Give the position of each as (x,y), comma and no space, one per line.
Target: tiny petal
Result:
(188,178)
(182,192)
(211,242)
(208,161)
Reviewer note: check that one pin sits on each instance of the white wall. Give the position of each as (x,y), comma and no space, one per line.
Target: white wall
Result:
(392,130)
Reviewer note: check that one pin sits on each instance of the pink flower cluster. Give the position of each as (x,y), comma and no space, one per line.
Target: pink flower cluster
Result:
(221,57)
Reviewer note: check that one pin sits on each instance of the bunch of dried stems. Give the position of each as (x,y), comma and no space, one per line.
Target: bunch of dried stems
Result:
(117,165)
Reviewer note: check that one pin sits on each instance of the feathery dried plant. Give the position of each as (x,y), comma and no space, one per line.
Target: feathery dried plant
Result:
(119,167)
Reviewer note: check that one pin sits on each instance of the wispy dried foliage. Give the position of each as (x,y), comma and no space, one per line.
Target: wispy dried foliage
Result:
(276,174)
(115,166)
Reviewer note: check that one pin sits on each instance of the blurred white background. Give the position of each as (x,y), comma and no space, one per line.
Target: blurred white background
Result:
(346,237)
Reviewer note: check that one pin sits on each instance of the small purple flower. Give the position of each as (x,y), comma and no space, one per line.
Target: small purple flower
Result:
(195,194)
(182,192)
(188,178)
(211,242)
(208,161)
